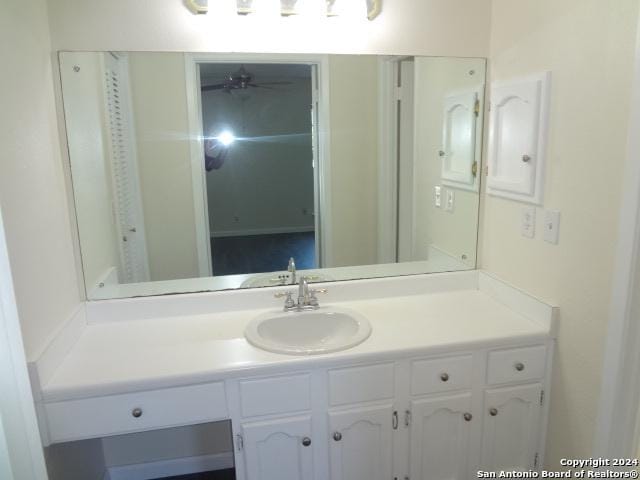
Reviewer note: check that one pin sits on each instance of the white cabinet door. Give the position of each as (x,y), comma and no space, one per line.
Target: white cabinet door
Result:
(459,139)
(511,425)
(360,443)
(277,449)
(440,431)
(517,138)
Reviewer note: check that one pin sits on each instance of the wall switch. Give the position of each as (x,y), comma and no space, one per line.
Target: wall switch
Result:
(552,226)
(451,198)
(437,196)
(528,229)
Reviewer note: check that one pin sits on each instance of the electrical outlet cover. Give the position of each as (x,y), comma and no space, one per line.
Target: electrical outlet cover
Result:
(528,222)
(552,226)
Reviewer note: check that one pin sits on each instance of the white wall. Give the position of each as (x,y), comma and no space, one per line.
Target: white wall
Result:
(408,27)
(266,182)
(158,93)
(20,447)
(455,233)
(589,46)
(32,183)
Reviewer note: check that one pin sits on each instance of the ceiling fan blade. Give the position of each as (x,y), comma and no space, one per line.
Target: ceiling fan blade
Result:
(275,83)
(219,86)
(255,85)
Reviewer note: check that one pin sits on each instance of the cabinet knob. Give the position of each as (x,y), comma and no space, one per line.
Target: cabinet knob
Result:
(444,377)
(136,412)
(467,417)
(519,366)
(337,436)
(493,412)
(526,158)
(306,441)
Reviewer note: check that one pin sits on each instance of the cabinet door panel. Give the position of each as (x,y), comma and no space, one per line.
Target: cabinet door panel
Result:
(511,433)
(364,449)
(440,438)
(273,449)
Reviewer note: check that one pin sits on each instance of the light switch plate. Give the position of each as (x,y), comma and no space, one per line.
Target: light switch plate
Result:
(437,196)
(451,200)
(528,229)
(552,226)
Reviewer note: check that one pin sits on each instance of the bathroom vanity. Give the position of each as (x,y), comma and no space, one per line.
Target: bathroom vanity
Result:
(454,378)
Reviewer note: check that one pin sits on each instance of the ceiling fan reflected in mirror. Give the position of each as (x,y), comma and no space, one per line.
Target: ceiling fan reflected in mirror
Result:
(241,79)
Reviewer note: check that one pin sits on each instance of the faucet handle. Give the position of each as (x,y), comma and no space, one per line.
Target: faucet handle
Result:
(313,300)
(283,294)
(288,301)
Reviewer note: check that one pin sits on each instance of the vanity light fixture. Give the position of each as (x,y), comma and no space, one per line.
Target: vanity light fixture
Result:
(374,7)
(245,7)
(332,8)
(198,6)
(288,7)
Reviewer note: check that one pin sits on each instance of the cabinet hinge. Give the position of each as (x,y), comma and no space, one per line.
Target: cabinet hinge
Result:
(476,108)
(541,397)
(239,442)
(535,461)
(407,418)
(474,169)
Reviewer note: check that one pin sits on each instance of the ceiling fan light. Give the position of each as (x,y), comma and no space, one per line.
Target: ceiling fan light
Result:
(288,7)
(245,7)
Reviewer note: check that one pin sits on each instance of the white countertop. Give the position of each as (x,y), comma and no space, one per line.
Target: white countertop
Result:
(128,355)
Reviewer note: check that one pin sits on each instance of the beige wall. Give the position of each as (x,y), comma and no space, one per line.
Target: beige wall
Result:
(411,27)
(354,162)
(454,232)
(32,184)
(588,45)
(159,103)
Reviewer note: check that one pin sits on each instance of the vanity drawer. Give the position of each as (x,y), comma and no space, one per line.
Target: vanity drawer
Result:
(441,374)
(131,412)
(516,365)
(267,396)
(361,384)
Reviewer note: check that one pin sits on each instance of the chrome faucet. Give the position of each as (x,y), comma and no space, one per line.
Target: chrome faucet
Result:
(307,299)
(291,268)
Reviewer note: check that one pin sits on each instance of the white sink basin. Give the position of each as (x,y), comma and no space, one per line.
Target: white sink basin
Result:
(282,278)
(324,330)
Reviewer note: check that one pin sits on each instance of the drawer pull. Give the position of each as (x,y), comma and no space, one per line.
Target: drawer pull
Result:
(467,417)
(444,377)
(519,366)
(306,441)
(337,436)
(136,412)
(493,412)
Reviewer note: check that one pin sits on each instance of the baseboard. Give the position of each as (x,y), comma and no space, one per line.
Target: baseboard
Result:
(261,231)
(171,468)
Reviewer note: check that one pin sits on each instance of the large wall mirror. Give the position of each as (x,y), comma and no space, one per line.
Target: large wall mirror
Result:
(196,172)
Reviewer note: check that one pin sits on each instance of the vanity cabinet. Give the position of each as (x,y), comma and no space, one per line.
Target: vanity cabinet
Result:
(281,448)
(511,425)
(440,437)
(360,444)
(433,418)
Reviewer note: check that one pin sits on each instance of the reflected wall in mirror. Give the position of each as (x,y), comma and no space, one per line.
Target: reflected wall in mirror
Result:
(196,172)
